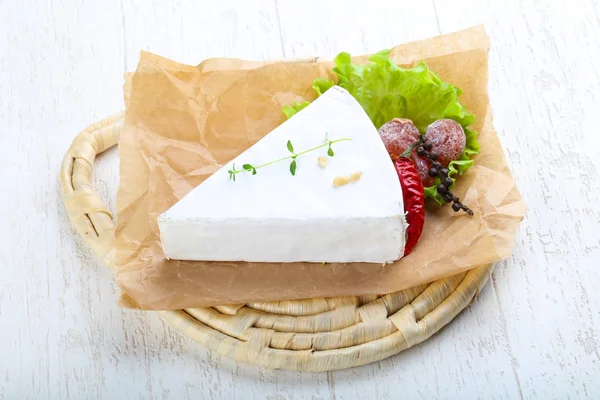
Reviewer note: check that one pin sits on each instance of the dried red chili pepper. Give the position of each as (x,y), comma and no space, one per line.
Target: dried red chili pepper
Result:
(414,201)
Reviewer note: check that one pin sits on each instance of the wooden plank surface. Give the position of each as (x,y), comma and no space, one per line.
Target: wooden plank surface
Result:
(534,332)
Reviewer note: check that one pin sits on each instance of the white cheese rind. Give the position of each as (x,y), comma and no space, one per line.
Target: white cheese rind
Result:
(276,217)
(283,240)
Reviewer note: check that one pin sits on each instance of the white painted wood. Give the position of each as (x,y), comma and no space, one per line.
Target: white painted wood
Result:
(533,333)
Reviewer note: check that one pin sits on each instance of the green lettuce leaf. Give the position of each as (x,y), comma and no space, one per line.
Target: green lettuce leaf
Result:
(321,85)
(387,91)
(290,110)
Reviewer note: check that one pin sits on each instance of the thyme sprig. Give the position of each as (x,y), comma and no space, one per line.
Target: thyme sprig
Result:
(293,156)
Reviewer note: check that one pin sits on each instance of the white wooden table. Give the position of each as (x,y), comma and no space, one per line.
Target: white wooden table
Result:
(534,332)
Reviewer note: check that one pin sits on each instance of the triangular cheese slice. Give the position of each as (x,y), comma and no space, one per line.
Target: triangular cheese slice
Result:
(276,217)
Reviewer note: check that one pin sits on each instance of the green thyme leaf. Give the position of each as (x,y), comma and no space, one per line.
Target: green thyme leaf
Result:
(290,147)
(248,167)
(293,167)
(330,152)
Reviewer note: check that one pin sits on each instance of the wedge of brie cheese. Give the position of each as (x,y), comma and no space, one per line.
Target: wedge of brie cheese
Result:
(275,216)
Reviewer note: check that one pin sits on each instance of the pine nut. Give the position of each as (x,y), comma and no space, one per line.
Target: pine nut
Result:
(355,176)
(340,181)
(322,161)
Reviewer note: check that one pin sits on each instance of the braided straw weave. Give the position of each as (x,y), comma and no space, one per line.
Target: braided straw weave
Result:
(313,335)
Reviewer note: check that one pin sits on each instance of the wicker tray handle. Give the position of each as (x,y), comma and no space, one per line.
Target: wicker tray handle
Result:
(313,335)
(87,212)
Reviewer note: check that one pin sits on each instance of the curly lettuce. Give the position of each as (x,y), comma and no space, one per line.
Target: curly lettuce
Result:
(292,109)
(387,91)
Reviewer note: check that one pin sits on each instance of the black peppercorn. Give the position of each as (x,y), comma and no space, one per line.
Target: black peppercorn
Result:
(428,146)
(420,151)
(441,189)
(447,181)
(456,207)
(433,172)
(433,156)
(444,172)
(447,197)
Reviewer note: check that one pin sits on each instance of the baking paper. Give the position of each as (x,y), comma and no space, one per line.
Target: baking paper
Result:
(184,122)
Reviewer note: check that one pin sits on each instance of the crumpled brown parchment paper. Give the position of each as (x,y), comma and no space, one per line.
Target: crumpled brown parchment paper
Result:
(183,123)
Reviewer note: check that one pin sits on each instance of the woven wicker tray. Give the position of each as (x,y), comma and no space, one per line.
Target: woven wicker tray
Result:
(311,335)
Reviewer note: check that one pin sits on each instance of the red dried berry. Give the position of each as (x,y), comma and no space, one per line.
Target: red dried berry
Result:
(447,139)
(398,135)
